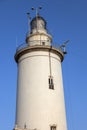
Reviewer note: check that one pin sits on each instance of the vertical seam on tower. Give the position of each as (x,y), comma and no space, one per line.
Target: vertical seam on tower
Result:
(50,62)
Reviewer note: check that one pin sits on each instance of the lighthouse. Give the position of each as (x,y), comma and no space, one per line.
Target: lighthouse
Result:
(40,96)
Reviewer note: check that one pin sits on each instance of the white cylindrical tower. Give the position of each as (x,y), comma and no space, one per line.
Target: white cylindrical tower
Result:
(40,97)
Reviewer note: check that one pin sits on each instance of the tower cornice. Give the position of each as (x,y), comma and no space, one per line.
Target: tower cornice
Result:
(28,49)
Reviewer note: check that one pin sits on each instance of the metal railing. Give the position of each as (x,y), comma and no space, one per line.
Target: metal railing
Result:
(32,43)
(21,46)
(35,43)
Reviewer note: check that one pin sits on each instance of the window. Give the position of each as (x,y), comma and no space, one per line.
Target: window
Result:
(51,84)
(53,127)
(43,43)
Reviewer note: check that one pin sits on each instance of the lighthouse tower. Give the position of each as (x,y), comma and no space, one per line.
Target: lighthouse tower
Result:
(40,98)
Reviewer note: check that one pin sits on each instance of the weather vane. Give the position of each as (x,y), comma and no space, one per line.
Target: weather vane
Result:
(37,14)
(37,10)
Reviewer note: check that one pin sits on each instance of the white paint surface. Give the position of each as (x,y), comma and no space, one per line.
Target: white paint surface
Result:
(38,106)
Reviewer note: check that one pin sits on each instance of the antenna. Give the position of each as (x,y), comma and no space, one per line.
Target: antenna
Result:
(63,47)
(29,18)
(16,42)
(25,126)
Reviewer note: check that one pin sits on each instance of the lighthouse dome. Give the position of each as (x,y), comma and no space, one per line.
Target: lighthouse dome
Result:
(38,32)
(38,23)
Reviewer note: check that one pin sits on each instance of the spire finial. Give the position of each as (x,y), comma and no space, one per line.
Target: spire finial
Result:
(37,10)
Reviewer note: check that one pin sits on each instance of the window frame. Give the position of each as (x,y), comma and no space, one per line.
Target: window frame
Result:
(51,83)
(53,127)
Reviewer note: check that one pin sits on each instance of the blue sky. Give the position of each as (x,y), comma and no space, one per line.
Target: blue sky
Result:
(66,20)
